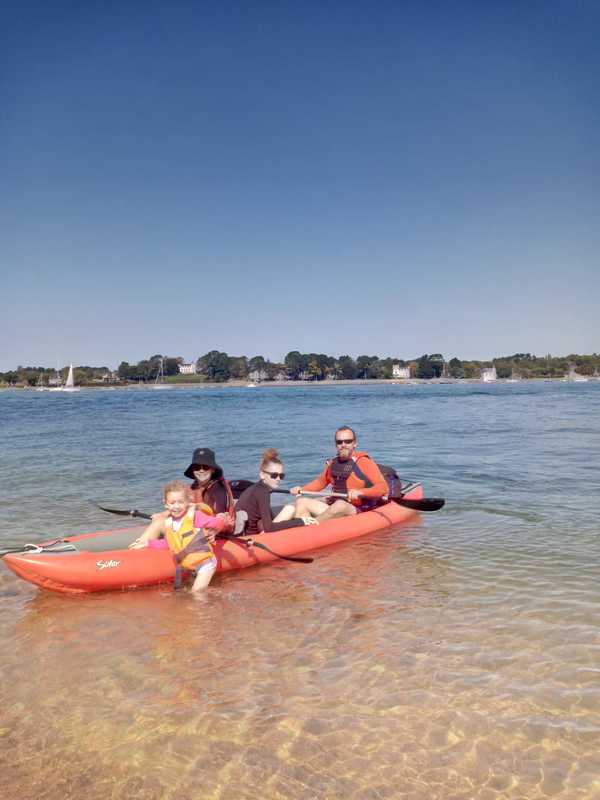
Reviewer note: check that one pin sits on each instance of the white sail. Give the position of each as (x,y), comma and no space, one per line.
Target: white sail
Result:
(69,385)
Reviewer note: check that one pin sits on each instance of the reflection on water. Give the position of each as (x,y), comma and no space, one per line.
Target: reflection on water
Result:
(458,659)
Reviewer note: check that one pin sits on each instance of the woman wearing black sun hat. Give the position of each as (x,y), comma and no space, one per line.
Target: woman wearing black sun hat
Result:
(209,486)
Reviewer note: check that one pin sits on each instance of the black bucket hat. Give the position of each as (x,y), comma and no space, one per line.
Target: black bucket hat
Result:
(206,457)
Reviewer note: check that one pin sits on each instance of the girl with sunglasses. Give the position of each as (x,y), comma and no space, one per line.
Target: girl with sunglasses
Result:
(255,502)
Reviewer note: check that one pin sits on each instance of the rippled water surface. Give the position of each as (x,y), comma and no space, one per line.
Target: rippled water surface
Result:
(455,658)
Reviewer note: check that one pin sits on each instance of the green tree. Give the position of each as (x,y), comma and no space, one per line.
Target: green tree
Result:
(171,366)
(385,367)
(147,369)
(472,369)
(126,371)
(238,367)
(295,364)
(319,365)
(425,368)
(273,369)
(437,362)
(455,366)
(257,363)
(503,369)
(314,370)
(347,367)
(215,366)
(367,366)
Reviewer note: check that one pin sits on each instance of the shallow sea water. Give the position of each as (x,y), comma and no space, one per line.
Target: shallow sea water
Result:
(458,657)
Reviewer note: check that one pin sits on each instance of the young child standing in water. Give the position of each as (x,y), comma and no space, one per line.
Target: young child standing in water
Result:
(189,531)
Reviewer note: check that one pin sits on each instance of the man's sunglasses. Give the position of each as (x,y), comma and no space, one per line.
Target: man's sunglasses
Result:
(344,441)
(275,475)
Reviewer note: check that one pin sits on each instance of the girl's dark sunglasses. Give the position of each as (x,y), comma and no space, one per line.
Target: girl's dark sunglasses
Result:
(275,475)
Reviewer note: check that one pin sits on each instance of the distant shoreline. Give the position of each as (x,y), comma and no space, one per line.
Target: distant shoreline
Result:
(242,384)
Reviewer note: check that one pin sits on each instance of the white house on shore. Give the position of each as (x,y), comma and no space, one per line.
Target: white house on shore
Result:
(258,375)
(188,369)
(402,373)
(489,374)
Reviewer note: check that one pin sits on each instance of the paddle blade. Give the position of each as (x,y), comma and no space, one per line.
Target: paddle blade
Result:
(239,486)
(122,513)
(424,504)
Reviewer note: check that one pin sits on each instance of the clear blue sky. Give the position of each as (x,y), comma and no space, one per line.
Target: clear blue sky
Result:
(387,178)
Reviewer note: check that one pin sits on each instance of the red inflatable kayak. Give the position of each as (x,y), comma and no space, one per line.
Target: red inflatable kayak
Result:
(96,562)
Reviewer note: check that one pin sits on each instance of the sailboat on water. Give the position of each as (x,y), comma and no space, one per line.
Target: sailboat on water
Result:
(41,386)
(159,382)
(69,386)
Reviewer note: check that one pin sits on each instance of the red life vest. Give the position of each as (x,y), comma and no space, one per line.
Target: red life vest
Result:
(199,492)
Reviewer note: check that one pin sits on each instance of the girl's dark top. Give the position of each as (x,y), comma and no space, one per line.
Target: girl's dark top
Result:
(256,502)
(215,496)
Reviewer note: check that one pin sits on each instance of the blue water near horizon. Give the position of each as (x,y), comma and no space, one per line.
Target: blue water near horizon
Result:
(519,444)
(471,639)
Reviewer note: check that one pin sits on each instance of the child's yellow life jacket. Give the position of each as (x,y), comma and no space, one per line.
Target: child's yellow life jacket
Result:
(189,547)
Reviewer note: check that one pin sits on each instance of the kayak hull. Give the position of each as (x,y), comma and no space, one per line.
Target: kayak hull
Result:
(102,561)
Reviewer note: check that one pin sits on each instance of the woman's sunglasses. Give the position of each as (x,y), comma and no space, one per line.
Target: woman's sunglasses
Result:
(201,468)
(275,475)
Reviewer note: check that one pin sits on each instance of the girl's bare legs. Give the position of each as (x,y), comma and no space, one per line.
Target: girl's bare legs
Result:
(204,575)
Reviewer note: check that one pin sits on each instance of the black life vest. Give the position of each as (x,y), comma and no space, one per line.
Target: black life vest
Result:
(340,471)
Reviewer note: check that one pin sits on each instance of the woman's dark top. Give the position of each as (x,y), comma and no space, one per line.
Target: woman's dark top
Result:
(256,502)
(215,496)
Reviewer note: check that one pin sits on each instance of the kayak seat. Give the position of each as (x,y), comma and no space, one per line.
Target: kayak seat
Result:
(119,540)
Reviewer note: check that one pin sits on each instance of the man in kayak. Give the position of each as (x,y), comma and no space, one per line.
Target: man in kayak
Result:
(350,473)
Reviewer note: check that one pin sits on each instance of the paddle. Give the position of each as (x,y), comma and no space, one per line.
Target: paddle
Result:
(240,486)
(424,504)
(55,546)
(133,513)
(251,543)
(230,537)
(26,548)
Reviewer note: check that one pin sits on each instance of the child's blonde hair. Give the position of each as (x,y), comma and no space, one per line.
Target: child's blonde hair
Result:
(177,486)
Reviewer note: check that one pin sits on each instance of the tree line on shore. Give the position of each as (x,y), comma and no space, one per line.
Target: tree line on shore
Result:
(219,367)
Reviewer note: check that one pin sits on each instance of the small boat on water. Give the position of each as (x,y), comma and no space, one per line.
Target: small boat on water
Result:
(69,384)
(159,381)
(96,562)
(41,386)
